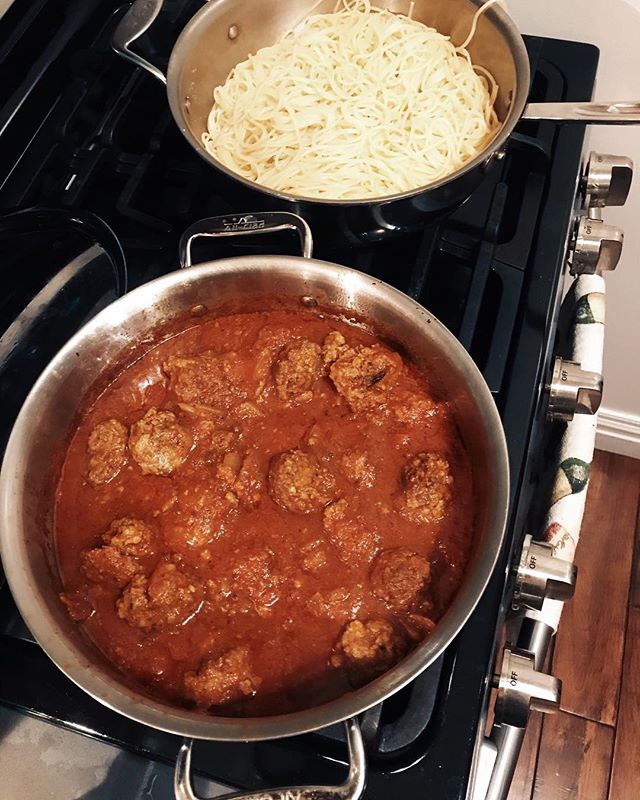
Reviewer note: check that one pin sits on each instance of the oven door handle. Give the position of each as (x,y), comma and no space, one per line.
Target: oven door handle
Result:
(351,789)
(245,225)
(138,19)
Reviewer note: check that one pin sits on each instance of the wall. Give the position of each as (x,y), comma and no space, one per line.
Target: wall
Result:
(614,26)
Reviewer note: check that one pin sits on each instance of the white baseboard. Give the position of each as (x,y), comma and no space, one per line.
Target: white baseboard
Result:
(618,432)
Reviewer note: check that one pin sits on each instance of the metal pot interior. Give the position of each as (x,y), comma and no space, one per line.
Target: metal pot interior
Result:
(36,448)
(193,72)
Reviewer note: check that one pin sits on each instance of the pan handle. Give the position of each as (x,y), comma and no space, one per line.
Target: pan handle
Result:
(602,113)
(138,19)
(245,225)
(351,789)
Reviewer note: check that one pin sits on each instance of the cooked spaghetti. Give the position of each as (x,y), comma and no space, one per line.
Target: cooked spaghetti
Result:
(358,104)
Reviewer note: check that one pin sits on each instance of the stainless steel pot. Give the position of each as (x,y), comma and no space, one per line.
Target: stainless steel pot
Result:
(225,32)
(47,420)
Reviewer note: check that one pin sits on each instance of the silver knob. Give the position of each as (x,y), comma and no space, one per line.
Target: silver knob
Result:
(521,689)
(607,180)
(573,390)
(597,246)
(541,575)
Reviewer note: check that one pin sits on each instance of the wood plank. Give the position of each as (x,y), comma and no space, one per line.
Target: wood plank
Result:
(635,577)
(590,643)
(625,774)
(525,774)
(575,759)
(524,777)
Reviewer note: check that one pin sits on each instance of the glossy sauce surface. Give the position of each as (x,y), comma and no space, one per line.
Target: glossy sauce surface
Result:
(262,512)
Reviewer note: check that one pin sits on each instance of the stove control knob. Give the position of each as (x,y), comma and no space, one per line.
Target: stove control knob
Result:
(597,246)
(573,390)
(607,180)
(521,689)
(541,575)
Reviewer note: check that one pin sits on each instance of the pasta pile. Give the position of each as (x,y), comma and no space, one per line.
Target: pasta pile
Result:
(358,104)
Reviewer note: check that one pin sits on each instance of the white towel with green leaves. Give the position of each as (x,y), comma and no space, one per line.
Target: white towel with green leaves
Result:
(564,518)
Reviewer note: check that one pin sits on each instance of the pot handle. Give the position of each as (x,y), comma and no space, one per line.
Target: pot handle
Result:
(351,789)
(245,225)
(138,19)
(601,113)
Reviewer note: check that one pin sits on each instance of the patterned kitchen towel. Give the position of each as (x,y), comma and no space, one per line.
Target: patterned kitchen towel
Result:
(564,518)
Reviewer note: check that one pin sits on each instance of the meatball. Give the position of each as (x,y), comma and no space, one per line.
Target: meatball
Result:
(108,565)
(271,341)
(369,648)
(116,561)
(348,531)
(203,379)
(414,409)
(252,584)
(131,537)
(197,516)
(168,597)
(363,376)
(314,558)
(358,468)
(426,482)
(333,346)
(399,577)
(223,680)
(297,369)
(158,444)
(298,483)
(107,448)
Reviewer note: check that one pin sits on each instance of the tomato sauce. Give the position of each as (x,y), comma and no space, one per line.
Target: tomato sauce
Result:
(263,511)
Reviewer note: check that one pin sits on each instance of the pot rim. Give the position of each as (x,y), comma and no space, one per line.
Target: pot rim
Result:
(505,25)
(138,706)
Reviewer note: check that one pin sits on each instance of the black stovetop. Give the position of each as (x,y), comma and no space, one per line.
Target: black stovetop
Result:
(81,130)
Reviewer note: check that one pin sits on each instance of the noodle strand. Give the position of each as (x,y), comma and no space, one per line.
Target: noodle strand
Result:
(474,23)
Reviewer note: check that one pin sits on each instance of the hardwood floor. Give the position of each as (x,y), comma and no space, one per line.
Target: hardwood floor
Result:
(574,758)
(625,772)
(591,749)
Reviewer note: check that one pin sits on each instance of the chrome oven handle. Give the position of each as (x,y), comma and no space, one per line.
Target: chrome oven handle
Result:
(561,526)
(245,225)
(625,112)
(351,789)
(561,531)
(138,19)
